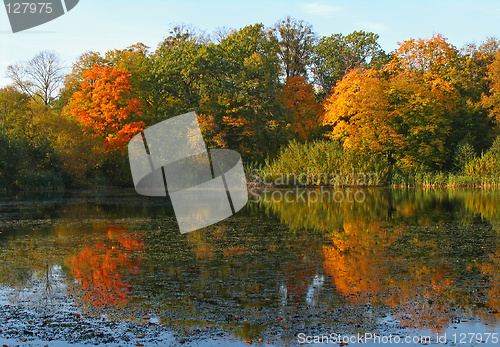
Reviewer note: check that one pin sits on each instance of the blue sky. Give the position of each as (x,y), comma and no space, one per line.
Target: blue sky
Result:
(105,25)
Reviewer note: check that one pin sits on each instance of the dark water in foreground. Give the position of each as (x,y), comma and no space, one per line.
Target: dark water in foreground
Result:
(111,267)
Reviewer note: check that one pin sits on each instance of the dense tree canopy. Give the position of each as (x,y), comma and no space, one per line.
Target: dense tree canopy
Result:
(255,89)
(413,109)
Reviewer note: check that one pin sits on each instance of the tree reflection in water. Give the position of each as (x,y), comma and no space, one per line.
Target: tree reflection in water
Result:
(423,257)
(421,254)
(100,267)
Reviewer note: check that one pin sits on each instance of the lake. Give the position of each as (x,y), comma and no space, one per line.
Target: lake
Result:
(294,266)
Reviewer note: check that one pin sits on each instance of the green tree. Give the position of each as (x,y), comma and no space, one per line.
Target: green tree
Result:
(296,40)
(336,55)
(249,113)
(178,68)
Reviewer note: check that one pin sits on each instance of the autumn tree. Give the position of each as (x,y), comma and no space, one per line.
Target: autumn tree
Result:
(358,111)
(14,105)
(423,112)
(104,106)
(491,99)
(135,60)
(23,116)
(413,108)
(27,158)
(440,67)
(426,57)
(303,110)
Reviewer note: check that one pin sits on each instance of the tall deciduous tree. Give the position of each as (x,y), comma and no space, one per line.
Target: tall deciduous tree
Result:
(336,55)
(41,77)
(14,106)
(424,112)
(440,66)
(296,40)
(248,109)
(178,67)
(104,106)
(413,102)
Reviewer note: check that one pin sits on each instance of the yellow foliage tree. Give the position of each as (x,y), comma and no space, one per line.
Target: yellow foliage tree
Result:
(359,112)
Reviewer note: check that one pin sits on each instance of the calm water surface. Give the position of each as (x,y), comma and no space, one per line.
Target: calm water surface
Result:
(111,267)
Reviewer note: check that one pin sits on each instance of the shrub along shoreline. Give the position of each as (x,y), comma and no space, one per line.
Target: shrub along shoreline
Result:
(328,163)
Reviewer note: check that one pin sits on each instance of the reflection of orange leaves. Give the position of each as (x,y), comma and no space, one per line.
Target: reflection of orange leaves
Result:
(425,297)
(355,261)
(100,268)
(361,270)
(204,252)
(492,270)
(235,251)
(354,277)
(124,237)
(97,270)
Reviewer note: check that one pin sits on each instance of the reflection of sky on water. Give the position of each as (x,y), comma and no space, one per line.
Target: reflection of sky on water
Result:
(42,288)
(313,289)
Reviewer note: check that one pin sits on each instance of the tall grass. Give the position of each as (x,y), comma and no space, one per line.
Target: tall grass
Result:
(325,163)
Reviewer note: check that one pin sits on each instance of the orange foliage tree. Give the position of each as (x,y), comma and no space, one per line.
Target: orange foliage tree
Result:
(492,100)
(358,112)
(303,110)
(104,106)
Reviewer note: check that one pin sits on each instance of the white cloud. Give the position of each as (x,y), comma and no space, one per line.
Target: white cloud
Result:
(319,9)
